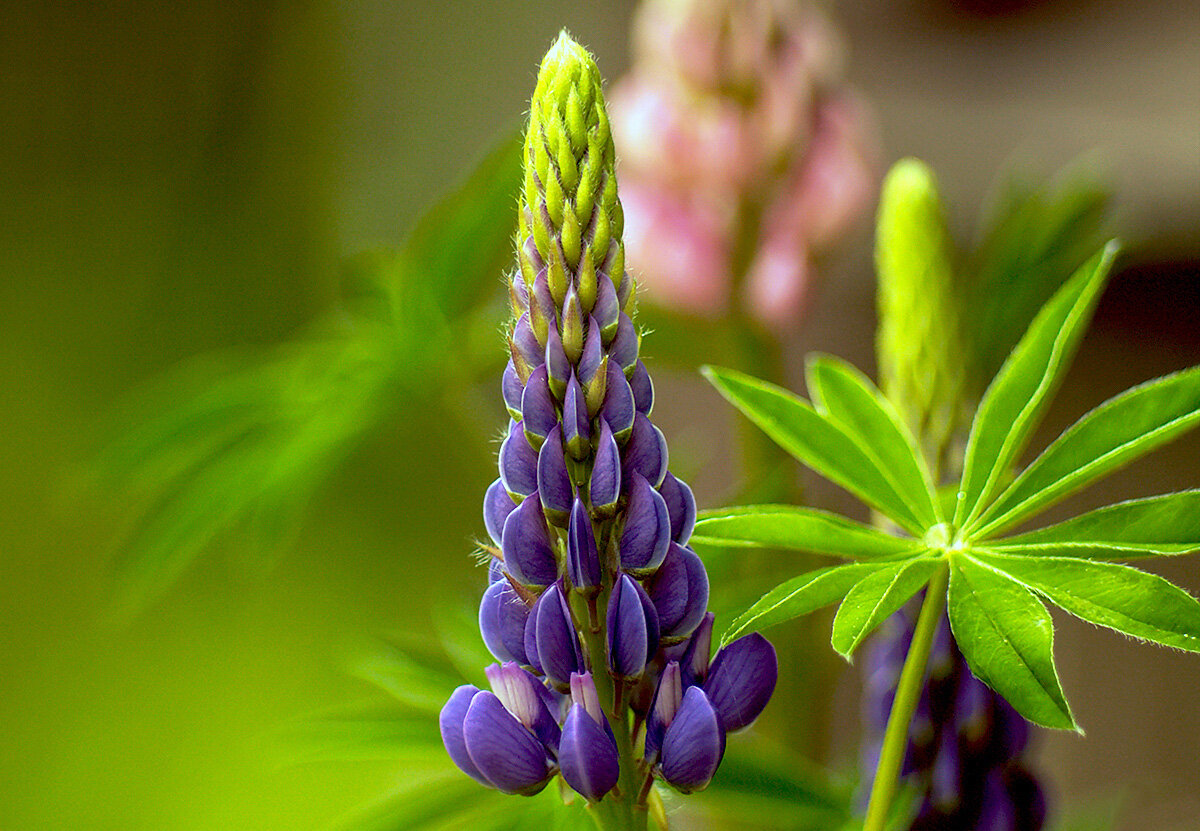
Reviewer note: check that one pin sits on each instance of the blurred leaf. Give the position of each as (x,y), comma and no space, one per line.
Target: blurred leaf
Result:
(1118,597)
(1016,398)
(874,598)
(1115,433)
(814,440)
(795,527)
(1007,637)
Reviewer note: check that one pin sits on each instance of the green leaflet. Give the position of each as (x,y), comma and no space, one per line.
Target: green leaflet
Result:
(816,441)
(1019,393)
(1007,637)
(842,393)
(1114,434)
(794,527)
(1119,597)
(874,598)
(1167,524)
(798,596)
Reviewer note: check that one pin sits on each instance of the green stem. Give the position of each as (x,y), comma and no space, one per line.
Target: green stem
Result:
(895,739)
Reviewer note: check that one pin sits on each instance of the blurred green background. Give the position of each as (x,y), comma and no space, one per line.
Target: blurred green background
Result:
(177,179)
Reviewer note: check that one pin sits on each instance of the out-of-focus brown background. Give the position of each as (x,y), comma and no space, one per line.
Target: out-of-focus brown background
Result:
(181,178)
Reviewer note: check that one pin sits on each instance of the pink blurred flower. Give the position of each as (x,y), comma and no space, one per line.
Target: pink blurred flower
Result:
(734,124)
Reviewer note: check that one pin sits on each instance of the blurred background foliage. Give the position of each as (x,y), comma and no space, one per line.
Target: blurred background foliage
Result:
(188,195)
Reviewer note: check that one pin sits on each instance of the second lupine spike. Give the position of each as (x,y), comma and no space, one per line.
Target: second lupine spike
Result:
(593,595)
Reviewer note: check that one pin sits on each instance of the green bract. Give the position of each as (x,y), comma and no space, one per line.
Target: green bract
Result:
(997,585)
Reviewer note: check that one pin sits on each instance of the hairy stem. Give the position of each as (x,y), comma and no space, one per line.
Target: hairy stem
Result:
(895,739)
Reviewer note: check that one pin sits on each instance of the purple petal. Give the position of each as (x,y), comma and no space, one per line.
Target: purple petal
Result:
(667,699)
(451,722)
(693,745)
(497,505)
(521,693)
(607,310)
(589,361)
(679,589)
(495,570)
(576,423)
(554,483)
(605,486)
(489,621)
(525,542)
(646,451)
(583,693)
(618,410)
(624,347)
(643,389)
(526,343)
(543,316)
(628,630)
(742,679)
(504,751)
(557,366)
(583,558)
(646,537)
(624,288)
(694,664)
(538,409)
(557,642)
(587,755)
(681,506)
(512,389)
(518,463)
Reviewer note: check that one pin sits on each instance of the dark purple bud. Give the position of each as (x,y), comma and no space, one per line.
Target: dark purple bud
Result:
(538,408)
(693,744)
(679,589)
(497,505)
(972,713)
(605,487)
(513,389)
(557,366)
(522,694)
(577,428)
(945,779)
(694,664)
(643,389)
(583,558)
(588,755)
(451,722)
(631,626)
(502,618)
(593,352)
(624,347)
(525,543)
(554,483)
(646,451)
(667,699)
(518,463)
(681,505)
(1011,730)
(607,310)
(646,537)
(526,344)
(504,751)
(741,680)
(618,410)
(557,644)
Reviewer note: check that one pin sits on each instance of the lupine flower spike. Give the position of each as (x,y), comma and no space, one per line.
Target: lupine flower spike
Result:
(595,605)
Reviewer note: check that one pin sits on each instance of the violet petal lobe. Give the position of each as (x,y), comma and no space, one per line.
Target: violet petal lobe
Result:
(607,310)
(741,680)
(605,487)
(526,344)
(525,542)
(557,366)
(593,352)
(513,389)
(577,431)
(489,621)
(618,409)
(624,347)
(451,722)
(679,589)
(629,629)
(643,389)
(681,506)
(693,745)
(583,558)
(694,663)
(646,537)
(646,451)
(511,616)
(503,750)
(587,755)
(522,694)
(667,699)
(554,482)
(497,505)
(538,413)
(557,643)
(518,463)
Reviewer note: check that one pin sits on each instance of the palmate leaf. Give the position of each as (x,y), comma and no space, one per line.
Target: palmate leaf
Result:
(798,528)
(1119,597)
(1019,394)
(1115,433)
(874,598)
(816,441)
(1155,525)
(1007,637)
(842,393)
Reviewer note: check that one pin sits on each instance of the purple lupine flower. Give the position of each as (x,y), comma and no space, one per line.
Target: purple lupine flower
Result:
(971,772)
(590,578)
